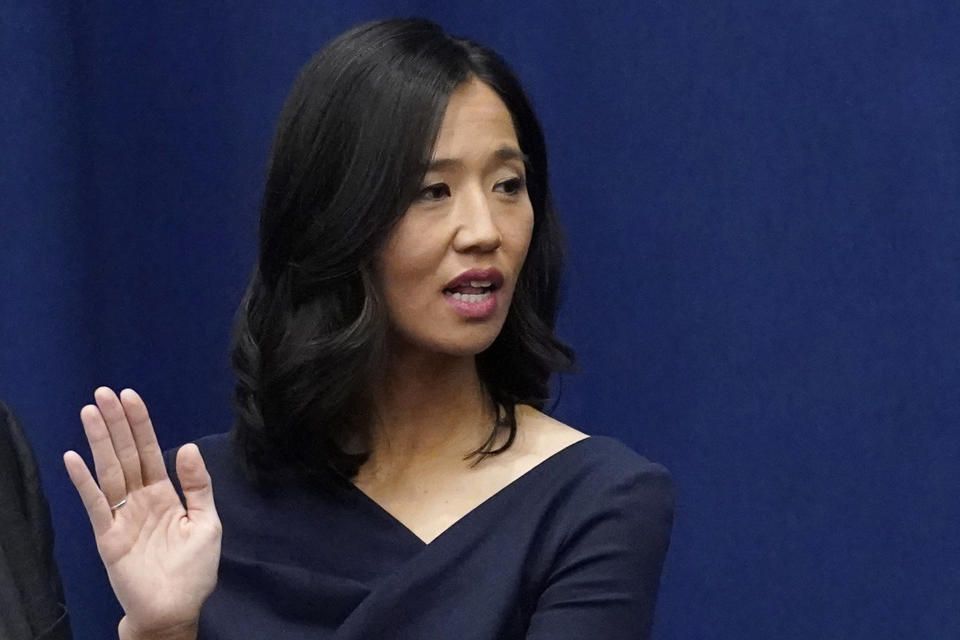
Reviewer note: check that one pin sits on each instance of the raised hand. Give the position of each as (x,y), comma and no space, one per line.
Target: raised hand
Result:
(161,558)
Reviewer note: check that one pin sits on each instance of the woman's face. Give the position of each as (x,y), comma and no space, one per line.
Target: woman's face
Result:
(449,268)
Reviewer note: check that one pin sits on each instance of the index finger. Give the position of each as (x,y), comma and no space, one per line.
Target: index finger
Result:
(151,456)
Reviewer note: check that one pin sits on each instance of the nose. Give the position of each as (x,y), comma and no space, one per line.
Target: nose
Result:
(476,230)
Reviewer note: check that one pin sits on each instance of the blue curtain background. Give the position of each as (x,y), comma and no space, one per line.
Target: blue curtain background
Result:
(763,210)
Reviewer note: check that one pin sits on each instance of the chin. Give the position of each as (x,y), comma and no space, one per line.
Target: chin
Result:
(465,348)
(455,340)
(460,343)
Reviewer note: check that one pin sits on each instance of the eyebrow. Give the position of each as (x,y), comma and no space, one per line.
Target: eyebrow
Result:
(504,154)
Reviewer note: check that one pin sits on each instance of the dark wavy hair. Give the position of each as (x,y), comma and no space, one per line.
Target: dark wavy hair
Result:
(351,149)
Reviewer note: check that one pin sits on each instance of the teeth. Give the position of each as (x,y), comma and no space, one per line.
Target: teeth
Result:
(471,297)
(480,284)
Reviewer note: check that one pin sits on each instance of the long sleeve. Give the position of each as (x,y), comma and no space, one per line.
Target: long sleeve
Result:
(604,582)
(31,595)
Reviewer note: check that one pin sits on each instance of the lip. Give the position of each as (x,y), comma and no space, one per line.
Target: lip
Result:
(481,309)
(491,275)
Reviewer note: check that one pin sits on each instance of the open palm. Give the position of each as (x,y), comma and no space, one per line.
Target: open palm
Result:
(161,558)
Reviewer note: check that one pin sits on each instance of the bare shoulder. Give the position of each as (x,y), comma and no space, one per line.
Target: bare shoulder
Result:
(539,436)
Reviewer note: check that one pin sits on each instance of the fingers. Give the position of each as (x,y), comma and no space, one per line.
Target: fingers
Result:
(195,482)
(105,461)
(98,509)
(124,446)
(152,468)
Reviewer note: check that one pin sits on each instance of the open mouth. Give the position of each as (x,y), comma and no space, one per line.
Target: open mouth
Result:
(472,292)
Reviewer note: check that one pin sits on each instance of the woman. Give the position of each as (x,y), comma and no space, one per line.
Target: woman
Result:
(389,474)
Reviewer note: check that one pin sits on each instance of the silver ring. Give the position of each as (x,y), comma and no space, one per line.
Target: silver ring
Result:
(118,505)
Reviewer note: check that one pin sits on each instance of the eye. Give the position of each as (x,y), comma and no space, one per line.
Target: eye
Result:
(511,187)
(436,191)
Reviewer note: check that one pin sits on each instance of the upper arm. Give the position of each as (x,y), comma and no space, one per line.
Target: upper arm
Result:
(604,581)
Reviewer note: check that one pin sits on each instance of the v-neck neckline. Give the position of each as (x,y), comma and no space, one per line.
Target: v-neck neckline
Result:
(537,468)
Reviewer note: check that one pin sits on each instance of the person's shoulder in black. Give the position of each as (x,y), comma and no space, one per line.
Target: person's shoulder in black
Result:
(31,595)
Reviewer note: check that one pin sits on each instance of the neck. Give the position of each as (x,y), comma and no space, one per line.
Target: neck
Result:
(430,411)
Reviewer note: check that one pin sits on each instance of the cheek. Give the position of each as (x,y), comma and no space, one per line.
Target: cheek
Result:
(405,269)
(403,256)
(520,234)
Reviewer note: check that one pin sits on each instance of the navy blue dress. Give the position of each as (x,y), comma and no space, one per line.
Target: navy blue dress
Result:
(571,549)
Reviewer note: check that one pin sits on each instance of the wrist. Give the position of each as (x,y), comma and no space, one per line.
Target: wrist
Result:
(186,631)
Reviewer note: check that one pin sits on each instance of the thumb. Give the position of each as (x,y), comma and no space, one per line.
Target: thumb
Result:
(195,482)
